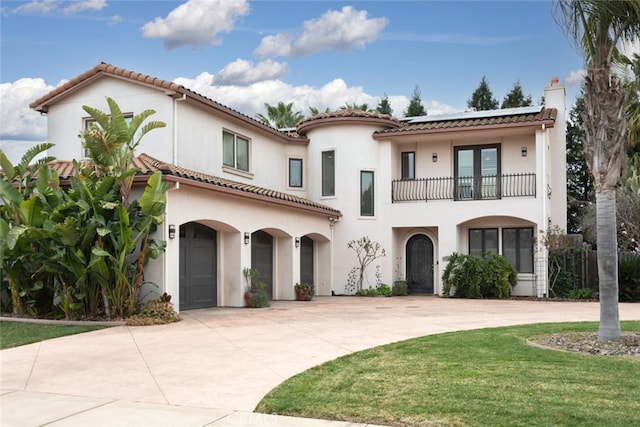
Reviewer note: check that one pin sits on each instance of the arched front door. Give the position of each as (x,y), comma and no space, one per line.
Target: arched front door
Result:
(262,258)
(306,260)
(198,266)
(420,264)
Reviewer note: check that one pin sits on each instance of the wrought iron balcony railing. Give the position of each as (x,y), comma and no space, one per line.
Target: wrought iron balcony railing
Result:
(487,187)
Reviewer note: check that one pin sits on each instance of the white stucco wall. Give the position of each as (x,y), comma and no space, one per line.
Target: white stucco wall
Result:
(65,119)
(231,217)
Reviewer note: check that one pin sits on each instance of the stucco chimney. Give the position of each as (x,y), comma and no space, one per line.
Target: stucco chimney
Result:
(554,81)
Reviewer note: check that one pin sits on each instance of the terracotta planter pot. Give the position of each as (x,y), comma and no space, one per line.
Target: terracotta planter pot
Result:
(302,295)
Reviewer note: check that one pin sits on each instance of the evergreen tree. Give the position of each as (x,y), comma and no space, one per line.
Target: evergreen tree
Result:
(415,107)
(482,98)
(516,98)
(383,106)
(580,192)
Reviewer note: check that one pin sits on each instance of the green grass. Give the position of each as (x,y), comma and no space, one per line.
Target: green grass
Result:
(13,334)
(486,377)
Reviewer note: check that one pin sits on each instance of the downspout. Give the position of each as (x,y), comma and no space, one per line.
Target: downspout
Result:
(175,127)
(332,224)
(165,258)
(543,291)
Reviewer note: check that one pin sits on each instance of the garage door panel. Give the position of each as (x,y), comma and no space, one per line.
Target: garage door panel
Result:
(198,267)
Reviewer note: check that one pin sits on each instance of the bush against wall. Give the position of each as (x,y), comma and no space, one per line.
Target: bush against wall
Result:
(629,276)
(473,276)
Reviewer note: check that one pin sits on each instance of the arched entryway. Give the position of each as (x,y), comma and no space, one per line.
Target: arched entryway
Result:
(262,258)
(306,260)
(198,266)
(419,256)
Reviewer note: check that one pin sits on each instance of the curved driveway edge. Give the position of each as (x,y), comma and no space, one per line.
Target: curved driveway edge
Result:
(229,358)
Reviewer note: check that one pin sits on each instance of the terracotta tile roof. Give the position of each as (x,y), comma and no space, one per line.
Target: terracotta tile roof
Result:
(171,89)
(545,116)
(347,115)
(149,165)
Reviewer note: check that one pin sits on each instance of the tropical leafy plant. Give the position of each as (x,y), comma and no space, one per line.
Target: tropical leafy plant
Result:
(84,245)
(473,276)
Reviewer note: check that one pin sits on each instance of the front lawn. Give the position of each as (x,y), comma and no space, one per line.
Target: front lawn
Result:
(13,334)
(488,377)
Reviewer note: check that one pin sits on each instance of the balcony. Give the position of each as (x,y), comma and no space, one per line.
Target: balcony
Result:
(488,187)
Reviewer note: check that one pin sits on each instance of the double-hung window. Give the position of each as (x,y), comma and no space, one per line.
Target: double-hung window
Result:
(295,173)
(367,197)
(517,247)
(408,165)
(483,240)
(235,151)
(477,172)
(328,173)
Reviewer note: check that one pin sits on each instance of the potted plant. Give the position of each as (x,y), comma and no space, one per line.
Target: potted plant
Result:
(256,294)
(304,291)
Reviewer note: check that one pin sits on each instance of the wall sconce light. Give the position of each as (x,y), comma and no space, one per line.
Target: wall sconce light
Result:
(297,242)
(172,231)
(247,238)
(434,157)
(523,151)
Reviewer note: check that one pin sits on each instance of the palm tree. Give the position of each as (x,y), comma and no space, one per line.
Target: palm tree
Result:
(632,94)
(315,111)
(280,116)
(598,26)
(354,106)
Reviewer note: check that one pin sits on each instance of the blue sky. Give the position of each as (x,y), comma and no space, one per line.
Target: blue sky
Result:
(313,53)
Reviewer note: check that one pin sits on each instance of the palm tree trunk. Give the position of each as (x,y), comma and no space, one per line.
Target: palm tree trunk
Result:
(609,329)
(605,132)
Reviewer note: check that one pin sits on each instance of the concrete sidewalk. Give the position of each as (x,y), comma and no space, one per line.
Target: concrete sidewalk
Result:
(219,361)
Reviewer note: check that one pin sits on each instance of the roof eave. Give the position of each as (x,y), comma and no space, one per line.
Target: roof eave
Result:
(384,135)
(246,195)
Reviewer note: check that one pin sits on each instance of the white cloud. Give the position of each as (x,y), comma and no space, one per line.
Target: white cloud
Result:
(19,122)
(196,22)
(79,6)
(342,30)
(631,47)
(575,78)
(44,6)
(274,45)
(49,6)
(250,99)
(242,72)
(115,20)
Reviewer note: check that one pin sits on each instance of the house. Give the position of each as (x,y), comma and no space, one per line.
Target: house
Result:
(287,202)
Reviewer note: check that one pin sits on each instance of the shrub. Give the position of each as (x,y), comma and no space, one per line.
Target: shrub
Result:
(157,311)
(585,293)
(629,276)
(472,276)
(382,290)
(400,288)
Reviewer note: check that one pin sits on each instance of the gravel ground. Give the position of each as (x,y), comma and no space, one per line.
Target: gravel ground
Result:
(588,343)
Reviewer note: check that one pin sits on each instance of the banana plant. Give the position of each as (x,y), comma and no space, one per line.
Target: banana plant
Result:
(112,139)
(22,214)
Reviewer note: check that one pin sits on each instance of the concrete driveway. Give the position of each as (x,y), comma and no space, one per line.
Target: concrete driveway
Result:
(229,358)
